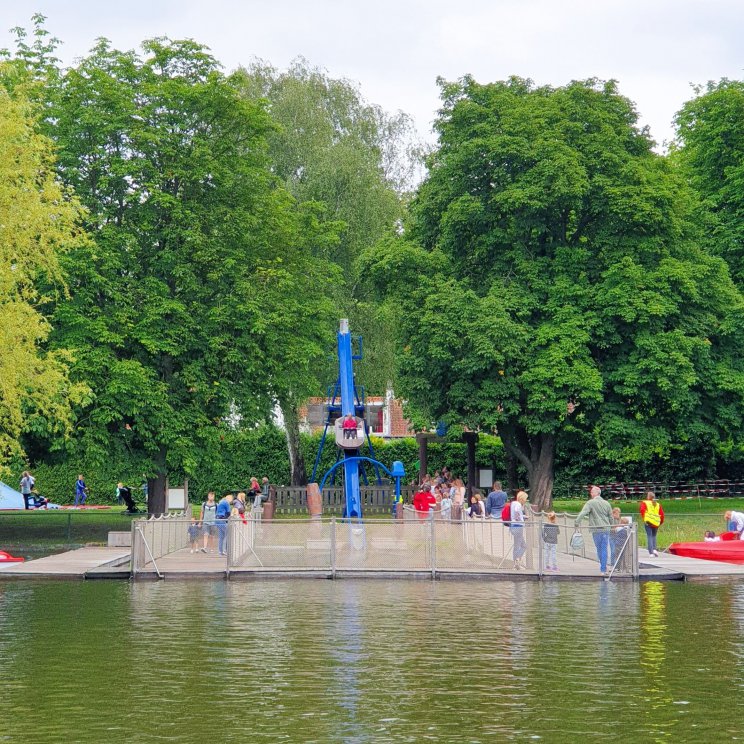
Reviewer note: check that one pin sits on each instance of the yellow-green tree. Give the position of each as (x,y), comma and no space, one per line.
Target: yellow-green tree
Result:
(38,220)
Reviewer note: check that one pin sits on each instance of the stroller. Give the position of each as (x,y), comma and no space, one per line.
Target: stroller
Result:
(126,497)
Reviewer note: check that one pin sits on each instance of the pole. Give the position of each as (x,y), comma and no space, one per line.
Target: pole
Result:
(346,380)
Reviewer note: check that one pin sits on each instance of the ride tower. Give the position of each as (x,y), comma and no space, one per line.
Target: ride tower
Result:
(345,412)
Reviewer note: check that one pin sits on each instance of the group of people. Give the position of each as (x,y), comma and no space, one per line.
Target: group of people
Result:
(446,495)
(610,529)
(211,525)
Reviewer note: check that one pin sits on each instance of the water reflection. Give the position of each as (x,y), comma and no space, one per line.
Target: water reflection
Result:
(369,661)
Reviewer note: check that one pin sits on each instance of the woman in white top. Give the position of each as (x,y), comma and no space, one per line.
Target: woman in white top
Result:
(516,527)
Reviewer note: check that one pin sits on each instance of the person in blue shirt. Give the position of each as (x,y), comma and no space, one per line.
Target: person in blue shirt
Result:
(224,507)
(81,491)
(496,501)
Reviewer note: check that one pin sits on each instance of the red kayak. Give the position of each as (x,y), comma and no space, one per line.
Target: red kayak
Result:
(8,558)
(728,549)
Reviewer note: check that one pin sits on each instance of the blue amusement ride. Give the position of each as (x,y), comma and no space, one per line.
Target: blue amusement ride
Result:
(351,431)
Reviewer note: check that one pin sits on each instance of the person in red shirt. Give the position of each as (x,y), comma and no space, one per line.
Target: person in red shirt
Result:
(423,501)
(349,427)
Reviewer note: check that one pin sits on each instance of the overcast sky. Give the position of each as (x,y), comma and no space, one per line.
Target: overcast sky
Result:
(395,49)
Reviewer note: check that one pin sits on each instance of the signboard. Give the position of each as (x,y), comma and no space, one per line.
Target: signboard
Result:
(177,498)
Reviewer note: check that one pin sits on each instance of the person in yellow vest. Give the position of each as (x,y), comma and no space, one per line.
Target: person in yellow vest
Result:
(652,515)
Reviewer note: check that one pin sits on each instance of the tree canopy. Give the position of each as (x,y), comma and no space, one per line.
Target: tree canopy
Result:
(551,278)
(197,297)
(38,223)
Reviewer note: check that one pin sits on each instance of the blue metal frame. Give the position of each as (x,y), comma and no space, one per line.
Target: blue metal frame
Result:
(396,474)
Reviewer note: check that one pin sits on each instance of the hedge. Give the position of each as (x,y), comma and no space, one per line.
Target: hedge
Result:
(256,452)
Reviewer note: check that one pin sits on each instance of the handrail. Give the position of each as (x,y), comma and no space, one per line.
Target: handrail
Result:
(147,546)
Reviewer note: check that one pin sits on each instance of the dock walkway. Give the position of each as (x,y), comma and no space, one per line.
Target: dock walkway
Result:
(103,562)
(82,563)
(689,568)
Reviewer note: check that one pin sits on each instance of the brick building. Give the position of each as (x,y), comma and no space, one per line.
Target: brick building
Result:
(384,416)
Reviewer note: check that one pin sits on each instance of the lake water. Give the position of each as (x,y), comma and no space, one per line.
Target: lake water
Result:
(370,661)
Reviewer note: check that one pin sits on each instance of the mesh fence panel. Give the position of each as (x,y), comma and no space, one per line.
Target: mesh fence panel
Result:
(281,544)
(156,538)
(408,545)
(385,545)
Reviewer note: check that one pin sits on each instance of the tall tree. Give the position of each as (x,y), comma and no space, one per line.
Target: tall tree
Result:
(551,274)
(710,131)
(38,222)
(356,162)
(192,234)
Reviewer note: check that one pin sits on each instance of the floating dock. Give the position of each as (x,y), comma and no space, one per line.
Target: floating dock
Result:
(106,563)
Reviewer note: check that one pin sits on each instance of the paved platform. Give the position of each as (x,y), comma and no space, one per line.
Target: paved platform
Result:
(104,562)
(690,568)
(74,564)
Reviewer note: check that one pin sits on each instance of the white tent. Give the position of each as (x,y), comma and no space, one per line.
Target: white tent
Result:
(10,498)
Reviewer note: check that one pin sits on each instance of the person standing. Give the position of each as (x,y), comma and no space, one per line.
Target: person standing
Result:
(652,515)
(516,528)
(550,532)
(599,513)
(424,501)
(81,491)
(457,493)
(223,514)
(495,501)
(208,519)
(446,506)
(735,522)
(27,484)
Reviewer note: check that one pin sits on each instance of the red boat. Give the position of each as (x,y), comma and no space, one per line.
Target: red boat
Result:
(729,549)
(8,558)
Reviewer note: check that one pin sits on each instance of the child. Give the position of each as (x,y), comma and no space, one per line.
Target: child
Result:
(711,536)
(618,544)
(550,543)
(446,506)
(194,533)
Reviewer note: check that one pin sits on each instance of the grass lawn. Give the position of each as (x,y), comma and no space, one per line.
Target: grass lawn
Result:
(40,532)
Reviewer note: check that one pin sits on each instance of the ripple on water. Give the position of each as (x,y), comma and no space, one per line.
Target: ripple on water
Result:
(363,661)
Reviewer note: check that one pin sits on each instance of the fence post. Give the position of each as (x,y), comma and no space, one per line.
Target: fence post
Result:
(333,547)
(636,568)
(133,549)
(433,548)
(540,546)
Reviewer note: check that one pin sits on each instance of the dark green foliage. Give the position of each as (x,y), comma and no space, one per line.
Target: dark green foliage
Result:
(552,280)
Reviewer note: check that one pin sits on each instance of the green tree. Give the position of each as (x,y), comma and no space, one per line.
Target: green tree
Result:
(197,248)
(355,162)
(38,222)
(710,132)
(552,276)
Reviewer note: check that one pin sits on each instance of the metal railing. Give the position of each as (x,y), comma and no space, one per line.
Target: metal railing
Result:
(157,537)
(429,545)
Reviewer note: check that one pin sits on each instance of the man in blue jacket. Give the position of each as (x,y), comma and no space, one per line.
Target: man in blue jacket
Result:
(496,501)
(224,507)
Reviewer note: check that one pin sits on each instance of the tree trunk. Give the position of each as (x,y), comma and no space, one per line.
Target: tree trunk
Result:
(537,454)
(157,485)
(512,475)
(297,472)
